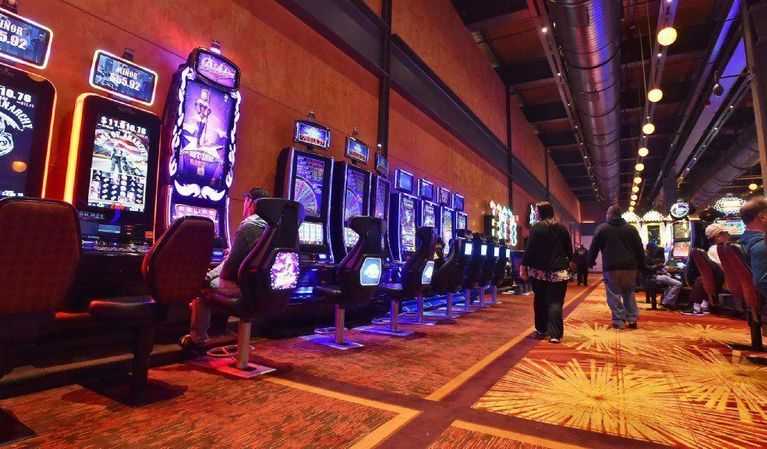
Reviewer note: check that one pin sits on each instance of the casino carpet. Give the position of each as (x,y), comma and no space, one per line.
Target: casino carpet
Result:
(481,383)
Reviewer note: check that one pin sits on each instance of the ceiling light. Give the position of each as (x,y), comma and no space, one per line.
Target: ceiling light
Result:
(667,36)
(648,128)
(643,151)
(633,203)
(660,55)
(752,187)
(544,30)
(639,167)
(634,197)
(655,95)
(631,209)
(635,189)
(637,180)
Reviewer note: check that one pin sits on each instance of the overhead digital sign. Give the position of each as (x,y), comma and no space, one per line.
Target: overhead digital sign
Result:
(23,40)
(123,78)
(312,134)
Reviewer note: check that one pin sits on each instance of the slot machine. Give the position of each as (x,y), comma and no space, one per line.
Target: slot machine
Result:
(461,218)
(681,231)
(305,175)
(402,216)
(199,143)
(446,217)
(351,188)
(380,200)
(27,103)
(112,165)
(427,207)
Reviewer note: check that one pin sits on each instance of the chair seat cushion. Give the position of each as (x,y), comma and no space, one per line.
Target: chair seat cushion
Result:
(328,290)
(223,300)
(128,308)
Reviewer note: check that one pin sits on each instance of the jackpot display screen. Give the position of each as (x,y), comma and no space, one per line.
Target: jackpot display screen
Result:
(205,138)
(429,215)
(382,195)
(308,185)
(407,224)
(119,165)
(17,128)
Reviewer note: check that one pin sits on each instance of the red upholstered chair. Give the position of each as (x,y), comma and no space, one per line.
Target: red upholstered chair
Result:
(39,252)
(707,270)
(736,270)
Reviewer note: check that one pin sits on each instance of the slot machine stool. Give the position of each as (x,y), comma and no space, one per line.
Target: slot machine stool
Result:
(356,280)
(499,275)
(472,274)
(486,281)
(266,277)
(416,276)
(448,278)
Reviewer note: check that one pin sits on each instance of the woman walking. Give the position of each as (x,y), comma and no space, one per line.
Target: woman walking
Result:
(546,261)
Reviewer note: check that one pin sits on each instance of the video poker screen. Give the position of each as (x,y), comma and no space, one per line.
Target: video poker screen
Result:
(119,165)
(309,184)
(205,136)
(18,125)
(429,215)
(382,195)
(407,224)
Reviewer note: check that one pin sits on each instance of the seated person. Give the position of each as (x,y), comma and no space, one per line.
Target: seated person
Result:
(224,276)
(656,262)
(716,234)
(754,216)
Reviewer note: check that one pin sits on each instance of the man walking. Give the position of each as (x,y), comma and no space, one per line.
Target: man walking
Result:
(622,257)
(582,264)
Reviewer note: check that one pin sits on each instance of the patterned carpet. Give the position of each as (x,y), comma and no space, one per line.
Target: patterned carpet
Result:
(671,382)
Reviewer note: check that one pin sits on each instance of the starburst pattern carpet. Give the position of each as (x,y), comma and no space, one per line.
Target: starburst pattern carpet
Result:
(672,382)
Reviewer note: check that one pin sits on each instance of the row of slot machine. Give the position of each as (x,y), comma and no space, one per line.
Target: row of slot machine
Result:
(131,173)
(334,191)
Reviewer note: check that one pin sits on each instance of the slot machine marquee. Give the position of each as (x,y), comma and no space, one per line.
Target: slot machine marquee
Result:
(112,165)
(352,189)
(402,216)
(428,209)
(27,102)
(199,149)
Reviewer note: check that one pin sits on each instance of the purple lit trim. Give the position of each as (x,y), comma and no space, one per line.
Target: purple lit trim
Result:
(284,271)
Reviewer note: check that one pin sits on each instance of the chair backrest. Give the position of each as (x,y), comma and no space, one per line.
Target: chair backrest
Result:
(271,269)
(500,265)
(738,273)
(488,265)
(174,268)
(449,277)
(708,275)
(40,253)
(475,262)
(359,272)
(416,273)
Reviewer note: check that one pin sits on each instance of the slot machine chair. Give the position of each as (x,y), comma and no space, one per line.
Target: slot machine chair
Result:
(415,276)
(357,278)
(448,278)
(266,277)
(472,273)
(499,274)
(733,261)
(711,276)
(486,281)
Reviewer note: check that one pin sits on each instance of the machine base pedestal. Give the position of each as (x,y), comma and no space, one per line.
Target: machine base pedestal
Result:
(743,347)
(380,330)
(11,429)
(330,341)
(229,366)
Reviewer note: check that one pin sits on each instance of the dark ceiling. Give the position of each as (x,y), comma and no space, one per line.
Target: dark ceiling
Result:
(509,32)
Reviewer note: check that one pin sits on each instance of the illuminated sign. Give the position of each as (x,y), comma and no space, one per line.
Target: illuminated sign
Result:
(357,150)
(24,41)
(652,216)
(680,210)
(501,223)
(729,205)
(468,249)
(312,134)
(18,122)
(532,215)
(427,273)
(216,69)
(123,78)
(370,273)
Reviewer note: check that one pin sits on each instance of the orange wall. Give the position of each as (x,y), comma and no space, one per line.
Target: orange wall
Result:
(420,145)
(434,30)
(287,70)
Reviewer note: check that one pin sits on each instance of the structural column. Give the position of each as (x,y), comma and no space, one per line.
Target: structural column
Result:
(755,35)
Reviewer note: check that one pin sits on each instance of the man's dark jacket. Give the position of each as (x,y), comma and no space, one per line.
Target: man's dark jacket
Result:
(620,245)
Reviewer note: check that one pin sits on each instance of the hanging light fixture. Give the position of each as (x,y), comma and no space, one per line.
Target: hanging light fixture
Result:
(638,180)
(635,189)
(634,197)
(639,167)
(631,209)
(655,95)
(643,151)
(648,128)
(752,187)
(667,36)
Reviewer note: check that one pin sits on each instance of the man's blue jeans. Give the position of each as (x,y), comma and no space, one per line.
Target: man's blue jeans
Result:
(619,285)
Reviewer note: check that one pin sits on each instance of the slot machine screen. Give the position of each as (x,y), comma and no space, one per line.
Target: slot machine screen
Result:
(468,249)
(458,202)
(734,226)
(483,250)
(205,138)
(681,250)
(681,230)
(497,252)
(447,229)
(18,125)
(429,215)
(186,210)
(407,224)
(382,195)
(405,181)
(119,165)
(444,197)
(310,233)
(308,185)
(354,203)
(461,221)
(426,189)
